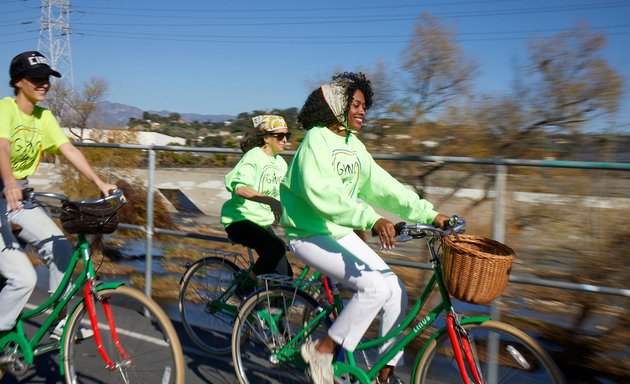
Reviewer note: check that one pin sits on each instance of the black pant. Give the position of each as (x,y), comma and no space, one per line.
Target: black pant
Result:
(270,248)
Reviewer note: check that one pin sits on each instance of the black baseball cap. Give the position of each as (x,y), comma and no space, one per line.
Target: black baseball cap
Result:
(31,64)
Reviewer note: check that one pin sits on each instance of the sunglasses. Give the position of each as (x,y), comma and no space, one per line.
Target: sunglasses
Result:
(282,135)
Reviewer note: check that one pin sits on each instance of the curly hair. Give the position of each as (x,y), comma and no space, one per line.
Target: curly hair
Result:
(316,113)
(252,138)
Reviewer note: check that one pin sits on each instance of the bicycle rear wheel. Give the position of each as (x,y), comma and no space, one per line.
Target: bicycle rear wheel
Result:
(149,350)
(520,359)
(207,304)
(266,322)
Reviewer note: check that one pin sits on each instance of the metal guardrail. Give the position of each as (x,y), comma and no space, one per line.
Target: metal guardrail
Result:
(498,230)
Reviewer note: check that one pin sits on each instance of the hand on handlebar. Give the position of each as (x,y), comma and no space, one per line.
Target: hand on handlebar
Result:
(441,221)
(386,233)
(107,189)
(442,226)
(110,189)
(13,195)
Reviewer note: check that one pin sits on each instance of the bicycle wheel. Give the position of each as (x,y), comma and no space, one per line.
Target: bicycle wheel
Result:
(148,350)
(207,305)
(266,322)
(520,359)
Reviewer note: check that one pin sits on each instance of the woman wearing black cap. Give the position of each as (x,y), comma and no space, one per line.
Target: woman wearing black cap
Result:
(27,130)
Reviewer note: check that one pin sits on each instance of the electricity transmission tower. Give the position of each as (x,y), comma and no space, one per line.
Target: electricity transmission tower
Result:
(54,37)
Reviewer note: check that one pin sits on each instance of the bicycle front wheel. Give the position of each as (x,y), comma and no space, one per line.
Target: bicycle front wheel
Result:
(208,305)
(267,322)
(138,339)
(504,354)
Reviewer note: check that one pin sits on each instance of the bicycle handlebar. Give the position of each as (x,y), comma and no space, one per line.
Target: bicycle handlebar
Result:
(456,225)
(29,194)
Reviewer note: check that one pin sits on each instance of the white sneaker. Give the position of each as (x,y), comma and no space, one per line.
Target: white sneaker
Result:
(82,333)
(320,367)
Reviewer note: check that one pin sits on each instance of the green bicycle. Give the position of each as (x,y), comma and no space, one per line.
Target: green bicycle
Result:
(134,340)
(208,302)
(274,322)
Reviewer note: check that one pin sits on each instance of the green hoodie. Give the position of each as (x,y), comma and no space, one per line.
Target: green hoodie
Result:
(260,172)
(327,175)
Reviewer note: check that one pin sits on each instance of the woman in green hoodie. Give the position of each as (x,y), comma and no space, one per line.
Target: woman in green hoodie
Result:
(254,184)
(330,170)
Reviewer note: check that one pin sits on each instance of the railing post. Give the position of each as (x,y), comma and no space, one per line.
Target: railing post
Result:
(498,233)
(500,185)
(148,265)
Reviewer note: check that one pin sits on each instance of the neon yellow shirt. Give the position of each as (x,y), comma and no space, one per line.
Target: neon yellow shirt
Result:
(260,172)
(327,175)
(29,135)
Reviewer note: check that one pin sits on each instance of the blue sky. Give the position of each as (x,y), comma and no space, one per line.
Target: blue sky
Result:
(219,57)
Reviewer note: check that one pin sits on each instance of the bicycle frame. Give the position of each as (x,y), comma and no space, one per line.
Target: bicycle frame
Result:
(86,281)
(349,366)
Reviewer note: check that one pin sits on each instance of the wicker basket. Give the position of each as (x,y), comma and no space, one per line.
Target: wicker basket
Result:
(475,269)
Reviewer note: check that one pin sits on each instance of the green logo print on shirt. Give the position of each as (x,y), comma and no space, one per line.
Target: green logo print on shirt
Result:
(26,148)
(347,166)
(269,182)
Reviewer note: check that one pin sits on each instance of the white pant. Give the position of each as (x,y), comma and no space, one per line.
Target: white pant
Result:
(377,289)
(41,232)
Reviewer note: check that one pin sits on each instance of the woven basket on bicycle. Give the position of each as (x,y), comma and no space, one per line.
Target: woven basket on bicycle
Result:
(475,269)
(89,218)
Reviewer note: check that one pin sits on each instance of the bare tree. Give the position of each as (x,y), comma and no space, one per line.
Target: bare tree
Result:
(439,72)
(574,83)
(565,85)
(384,93)
(76,110)
(56,100)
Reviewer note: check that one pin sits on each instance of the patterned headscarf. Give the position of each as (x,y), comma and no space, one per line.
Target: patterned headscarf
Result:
(269,123)
(335,94)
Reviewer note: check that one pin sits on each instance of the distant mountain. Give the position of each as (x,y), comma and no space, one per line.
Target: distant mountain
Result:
(118,115)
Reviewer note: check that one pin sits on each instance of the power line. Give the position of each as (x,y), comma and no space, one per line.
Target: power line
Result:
(336,9)
(322,19)
(318,39)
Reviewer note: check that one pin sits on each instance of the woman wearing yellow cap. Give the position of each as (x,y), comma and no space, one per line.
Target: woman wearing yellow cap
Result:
(255,204)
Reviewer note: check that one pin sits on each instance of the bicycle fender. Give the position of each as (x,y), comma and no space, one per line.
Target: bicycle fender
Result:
(467,320)
(108,285)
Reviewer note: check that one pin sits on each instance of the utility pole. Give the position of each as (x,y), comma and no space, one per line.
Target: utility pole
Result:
(54,38)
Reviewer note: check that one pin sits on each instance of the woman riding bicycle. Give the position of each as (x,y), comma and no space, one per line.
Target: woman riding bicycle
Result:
(26,130)
(330,170)
(255,205)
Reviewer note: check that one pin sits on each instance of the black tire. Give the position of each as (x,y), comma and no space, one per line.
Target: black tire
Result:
(208,305)
(146,334)
(437,365)
(254,342)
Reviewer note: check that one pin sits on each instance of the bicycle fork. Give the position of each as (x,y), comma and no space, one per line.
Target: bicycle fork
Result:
(461,343)
(89,302)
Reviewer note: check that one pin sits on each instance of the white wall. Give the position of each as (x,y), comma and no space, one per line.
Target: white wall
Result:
(143,138)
